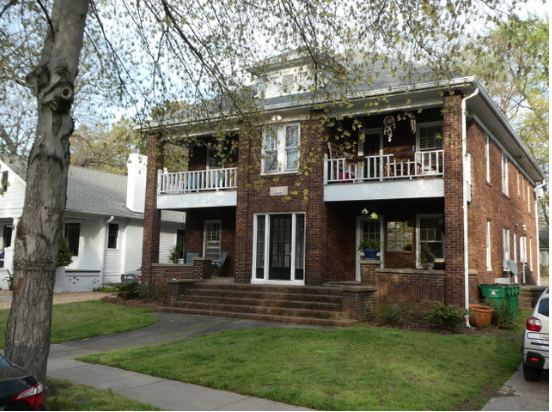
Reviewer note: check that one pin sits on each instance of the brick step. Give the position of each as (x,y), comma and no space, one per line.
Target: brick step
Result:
(199,290)
(259,308)
(260,317)
(284,302)
(247,287)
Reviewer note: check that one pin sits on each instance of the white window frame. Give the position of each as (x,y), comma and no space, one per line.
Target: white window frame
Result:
(266,251)
(487,158)
(419,241)
(422,126)
(488,244)
(505,174)
(505,248)
(109,225)
(277,149)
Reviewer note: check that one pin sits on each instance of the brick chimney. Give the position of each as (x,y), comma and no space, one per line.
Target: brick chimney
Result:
(136,182)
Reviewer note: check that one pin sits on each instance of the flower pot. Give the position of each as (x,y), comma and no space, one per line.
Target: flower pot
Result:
(481,315)
(370,253)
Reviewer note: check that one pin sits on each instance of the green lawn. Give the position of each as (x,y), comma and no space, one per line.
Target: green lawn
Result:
(81,320)
(355,368)
(68,396)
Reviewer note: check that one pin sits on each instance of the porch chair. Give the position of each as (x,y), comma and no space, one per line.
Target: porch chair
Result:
(218,265)
(190,257)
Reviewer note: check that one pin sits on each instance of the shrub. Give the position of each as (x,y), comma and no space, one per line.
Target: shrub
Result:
(446,316)
(393,315)
(503,316)
(135,290)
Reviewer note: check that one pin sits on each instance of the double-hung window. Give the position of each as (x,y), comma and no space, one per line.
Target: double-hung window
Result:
(281,149)
(430,146)
(505,248)
(72,233)
(505,180)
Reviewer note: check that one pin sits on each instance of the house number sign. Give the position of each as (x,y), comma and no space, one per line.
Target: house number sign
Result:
(279,191)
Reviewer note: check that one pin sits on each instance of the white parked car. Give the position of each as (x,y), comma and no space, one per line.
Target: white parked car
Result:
(535,340)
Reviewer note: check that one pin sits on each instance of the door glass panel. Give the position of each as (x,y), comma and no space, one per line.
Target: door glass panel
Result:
(280,248)
(260,258)
(299,247)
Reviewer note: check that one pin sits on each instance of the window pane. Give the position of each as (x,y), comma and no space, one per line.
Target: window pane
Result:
(431,138)
(399,236)
(292,159)
(112,236)
(260,258)
(292,136)
(72,233)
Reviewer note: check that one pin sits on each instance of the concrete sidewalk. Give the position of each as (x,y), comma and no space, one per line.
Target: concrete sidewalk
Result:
(163,393)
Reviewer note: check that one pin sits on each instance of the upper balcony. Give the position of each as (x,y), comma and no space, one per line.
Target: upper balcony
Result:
(389,176)
(203,188)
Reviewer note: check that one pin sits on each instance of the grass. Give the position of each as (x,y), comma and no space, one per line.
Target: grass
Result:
(356,368)
(80,320)
(68,396)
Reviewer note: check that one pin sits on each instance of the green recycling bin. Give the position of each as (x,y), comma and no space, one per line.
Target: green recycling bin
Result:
(502,297)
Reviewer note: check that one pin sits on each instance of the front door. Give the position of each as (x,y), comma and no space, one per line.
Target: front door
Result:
(279,248)
(368,228)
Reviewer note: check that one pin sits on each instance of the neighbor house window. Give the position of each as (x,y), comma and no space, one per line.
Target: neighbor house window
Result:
(72,233)
(112,235)
(279,247)
(7,236)
(399,236)
(281,149)
(505,247)
(4,181)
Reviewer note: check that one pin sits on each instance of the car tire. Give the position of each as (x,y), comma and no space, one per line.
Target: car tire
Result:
(531,374)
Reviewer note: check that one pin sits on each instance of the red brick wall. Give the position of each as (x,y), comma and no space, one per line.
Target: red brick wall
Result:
(490,203)
(454,245)
(152,215)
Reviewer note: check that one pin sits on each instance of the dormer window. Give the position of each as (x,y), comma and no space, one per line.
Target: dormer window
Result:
(281,149)
(286,82)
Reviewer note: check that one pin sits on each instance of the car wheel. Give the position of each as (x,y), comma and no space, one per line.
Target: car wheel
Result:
(531,374)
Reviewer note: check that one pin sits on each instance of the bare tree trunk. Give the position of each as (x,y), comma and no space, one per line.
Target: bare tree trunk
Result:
(39,229)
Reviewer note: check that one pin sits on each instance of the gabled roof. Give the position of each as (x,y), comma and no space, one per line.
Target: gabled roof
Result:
(97,192)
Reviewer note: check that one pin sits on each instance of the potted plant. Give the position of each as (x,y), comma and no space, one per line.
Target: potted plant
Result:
(370,247)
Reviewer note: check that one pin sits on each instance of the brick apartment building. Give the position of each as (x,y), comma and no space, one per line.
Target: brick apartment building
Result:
(435,173)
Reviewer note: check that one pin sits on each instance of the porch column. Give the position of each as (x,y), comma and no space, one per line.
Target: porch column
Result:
(454,244)
(152,215)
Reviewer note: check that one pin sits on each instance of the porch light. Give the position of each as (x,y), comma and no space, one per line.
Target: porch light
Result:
(374,216)
(276,118)
(365,211)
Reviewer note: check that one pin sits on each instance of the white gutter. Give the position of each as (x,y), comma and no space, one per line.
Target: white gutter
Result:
(465,204)
(537,230)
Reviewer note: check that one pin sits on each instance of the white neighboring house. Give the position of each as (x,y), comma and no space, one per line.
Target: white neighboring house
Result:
(103,223)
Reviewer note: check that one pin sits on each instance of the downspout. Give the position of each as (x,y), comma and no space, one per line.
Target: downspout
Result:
(465,188)
(537,188)
(106,231)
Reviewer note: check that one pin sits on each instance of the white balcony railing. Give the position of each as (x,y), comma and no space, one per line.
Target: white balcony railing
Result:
(384,167)
(197,181)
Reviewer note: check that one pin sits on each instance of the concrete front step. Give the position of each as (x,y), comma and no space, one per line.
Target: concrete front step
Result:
(260,317)
(258,295)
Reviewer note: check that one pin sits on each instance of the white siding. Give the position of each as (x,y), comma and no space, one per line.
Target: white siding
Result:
(167,241)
